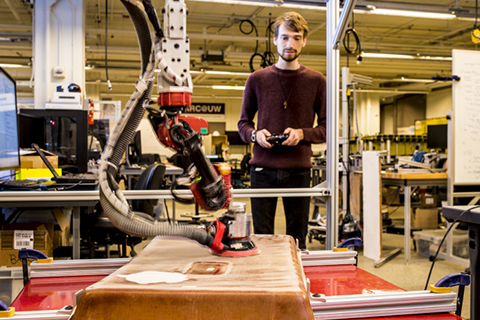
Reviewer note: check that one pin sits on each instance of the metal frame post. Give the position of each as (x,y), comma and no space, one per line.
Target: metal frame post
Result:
(333,58)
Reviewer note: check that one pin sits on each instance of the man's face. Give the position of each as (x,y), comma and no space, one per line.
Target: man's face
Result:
(289,43)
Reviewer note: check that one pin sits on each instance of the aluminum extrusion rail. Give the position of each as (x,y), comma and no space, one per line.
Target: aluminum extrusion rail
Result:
(328,258)
(382,304)
(72,196)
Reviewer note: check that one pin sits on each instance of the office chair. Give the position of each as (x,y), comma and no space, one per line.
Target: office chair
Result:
(150,179)
(180,160)
(99,231)
(242,174)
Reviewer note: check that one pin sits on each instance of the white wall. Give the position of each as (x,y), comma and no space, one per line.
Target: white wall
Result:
(368,109)
(232,113)
(439,103)
(150,143)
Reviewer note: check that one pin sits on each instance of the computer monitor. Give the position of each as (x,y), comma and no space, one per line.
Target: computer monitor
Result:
(219,148)
(135,146)
(437,136)
(31,129)
(9,153)
(100,129)
(234,138)
(135,155)
(98,135)
(65,136)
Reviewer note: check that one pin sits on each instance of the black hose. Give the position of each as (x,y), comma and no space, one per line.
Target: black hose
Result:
(153,17)
(143,33)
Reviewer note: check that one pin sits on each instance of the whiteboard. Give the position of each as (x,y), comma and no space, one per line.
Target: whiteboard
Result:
(466,117)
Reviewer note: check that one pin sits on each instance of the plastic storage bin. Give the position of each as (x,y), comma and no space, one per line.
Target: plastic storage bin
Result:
(427,242)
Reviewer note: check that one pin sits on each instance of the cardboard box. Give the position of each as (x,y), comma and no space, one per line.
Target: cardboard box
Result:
(428,200)
(61,238)
(59,232)
(8,253)
(33,161)
(391,194)
(425,218)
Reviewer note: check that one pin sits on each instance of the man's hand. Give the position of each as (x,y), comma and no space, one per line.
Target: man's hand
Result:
(261,138)
(295,136)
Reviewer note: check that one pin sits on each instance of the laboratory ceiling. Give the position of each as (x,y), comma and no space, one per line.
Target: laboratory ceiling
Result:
(401,47)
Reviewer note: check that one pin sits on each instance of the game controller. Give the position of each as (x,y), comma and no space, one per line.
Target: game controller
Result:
(277,139)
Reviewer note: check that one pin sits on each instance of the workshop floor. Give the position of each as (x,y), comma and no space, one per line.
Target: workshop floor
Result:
(411,277)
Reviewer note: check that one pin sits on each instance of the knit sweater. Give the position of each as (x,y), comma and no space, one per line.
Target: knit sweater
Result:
(265,93)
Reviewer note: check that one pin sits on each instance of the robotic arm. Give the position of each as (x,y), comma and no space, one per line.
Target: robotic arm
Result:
(210,184)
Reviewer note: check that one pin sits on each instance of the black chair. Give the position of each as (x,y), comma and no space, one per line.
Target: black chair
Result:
(180,160)
(99,231)
(241,174)
(151,179)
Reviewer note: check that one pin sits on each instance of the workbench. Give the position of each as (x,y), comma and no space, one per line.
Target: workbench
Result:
(407,181)
(50,288)
(78,200)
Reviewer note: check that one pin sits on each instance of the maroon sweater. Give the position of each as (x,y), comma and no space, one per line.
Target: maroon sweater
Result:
(263,95)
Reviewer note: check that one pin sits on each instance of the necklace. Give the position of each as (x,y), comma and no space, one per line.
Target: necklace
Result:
(291,90)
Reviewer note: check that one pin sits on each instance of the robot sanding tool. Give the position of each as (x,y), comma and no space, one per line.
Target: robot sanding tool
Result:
(232,233)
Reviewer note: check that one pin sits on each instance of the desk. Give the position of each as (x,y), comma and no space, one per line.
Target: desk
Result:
(74,199)
(78,199)
(35,199)
(407,181)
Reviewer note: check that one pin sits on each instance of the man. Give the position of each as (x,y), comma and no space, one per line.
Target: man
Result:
(286,96)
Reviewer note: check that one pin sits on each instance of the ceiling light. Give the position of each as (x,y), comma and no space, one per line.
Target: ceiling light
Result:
(415,80)
(387,55)
(403,56)
(411,14)
(274,4)
(11,65)
(226,73)
(229,87)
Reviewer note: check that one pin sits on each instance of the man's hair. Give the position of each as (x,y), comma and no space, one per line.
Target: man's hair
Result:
(293,21)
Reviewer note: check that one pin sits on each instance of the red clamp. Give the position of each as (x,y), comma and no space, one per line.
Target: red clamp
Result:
(217,241)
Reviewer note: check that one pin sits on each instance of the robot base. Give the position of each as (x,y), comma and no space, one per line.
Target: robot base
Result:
(243,247)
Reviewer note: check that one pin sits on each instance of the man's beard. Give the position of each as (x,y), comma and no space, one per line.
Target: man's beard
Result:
(289,59)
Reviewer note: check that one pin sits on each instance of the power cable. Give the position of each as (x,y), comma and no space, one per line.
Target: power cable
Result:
(267,59)
(443,239)
(268,56)
(346,42)
(106,46)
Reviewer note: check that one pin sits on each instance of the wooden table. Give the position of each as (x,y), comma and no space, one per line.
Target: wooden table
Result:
(407,181)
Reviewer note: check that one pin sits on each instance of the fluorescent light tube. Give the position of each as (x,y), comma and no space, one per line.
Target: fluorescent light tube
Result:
(274,4)
(229,87)
(11,65)
(403,56)
(412,14)
(227,73)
